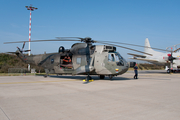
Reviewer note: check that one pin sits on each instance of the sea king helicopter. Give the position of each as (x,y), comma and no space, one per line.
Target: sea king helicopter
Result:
(83,58)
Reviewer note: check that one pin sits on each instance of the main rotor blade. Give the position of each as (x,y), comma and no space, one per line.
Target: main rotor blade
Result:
(40,41)
(176,50)
(136,45)
(26,50)
(69,38)
(126,48)
(23,45)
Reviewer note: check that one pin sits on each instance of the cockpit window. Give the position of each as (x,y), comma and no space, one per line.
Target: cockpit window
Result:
(115,57)
(119,56)
(111,57)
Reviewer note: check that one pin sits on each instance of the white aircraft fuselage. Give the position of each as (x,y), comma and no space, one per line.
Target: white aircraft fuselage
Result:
(158,58)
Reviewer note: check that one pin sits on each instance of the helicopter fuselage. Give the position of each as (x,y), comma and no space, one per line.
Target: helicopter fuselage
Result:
(80,59)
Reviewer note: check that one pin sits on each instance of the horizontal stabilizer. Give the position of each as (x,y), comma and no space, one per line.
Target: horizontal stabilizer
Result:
(136,55)
(174,58)
(177,58)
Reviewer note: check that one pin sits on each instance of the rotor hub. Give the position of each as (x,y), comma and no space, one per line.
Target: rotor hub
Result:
(87,40)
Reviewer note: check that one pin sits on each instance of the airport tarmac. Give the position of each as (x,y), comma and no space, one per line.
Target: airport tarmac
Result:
(154,96)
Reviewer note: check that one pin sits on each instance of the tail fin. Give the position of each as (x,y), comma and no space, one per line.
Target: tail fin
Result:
(147,47)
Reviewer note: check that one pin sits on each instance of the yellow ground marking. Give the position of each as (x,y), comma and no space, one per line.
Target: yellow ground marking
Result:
(89,80)
(38,82)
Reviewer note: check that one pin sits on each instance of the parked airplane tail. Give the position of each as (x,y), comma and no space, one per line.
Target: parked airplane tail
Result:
(147,47)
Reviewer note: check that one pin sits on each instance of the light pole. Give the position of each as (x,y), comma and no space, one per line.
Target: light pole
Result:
(31,9)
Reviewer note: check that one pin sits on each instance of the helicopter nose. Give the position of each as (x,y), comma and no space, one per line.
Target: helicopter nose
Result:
(126,66)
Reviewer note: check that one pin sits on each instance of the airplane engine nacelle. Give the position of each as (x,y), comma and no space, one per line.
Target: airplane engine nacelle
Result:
(61,49)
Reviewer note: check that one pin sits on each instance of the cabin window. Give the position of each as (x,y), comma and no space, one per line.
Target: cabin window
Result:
(52,61)
(78,61)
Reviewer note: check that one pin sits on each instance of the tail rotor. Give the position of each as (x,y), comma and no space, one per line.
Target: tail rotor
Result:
(21,50)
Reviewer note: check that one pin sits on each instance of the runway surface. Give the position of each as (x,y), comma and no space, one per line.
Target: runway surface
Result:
(155,95)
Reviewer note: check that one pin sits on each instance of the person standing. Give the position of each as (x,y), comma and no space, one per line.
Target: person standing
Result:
(135,71)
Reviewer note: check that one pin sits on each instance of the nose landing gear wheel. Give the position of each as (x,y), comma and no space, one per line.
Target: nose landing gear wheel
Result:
(110,77)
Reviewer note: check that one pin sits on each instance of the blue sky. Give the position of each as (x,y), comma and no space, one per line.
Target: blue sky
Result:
(129,21)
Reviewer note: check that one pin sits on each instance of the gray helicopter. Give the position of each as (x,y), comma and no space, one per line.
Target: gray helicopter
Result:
(81,59)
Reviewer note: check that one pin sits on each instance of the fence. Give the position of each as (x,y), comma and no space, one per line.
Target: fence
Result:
(19,71)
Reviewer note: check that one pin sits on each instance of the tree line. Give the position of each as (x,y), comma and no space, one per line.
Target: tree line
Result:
(12,61)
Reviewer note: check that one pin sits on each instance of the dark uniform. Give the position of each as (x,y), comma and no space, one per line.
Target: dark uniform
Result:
(136,72)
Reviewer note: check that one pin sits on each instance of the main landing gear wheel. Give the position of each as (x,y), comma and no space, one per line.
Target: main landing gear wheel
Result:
(45,75)
(102,76)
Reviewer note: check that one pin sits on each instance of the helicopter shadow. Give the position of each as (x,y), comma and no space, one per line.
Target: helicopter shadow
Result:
(150,71)
(158,72)
(68,77)
(95,78)
(153,71)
